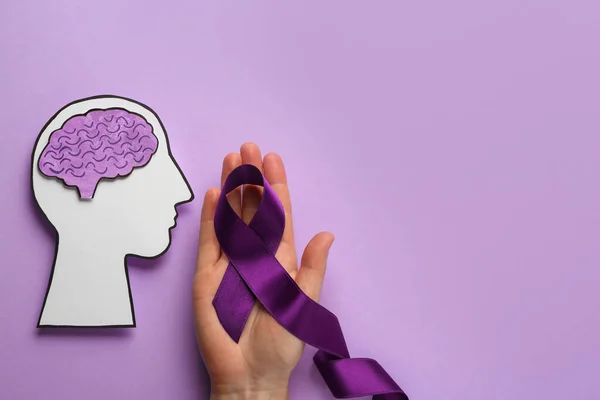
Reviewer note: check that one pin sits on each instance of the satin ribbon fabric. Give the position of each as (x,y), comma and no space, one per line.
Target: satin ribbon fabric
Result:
(255,274)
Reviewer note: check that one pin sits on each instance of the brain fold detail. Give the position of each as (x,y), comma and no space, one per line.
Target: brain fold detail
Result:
(100,144)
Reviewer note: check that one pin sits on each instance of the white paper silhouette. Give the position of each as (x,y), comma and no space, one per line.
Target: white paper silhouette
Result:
(98,226)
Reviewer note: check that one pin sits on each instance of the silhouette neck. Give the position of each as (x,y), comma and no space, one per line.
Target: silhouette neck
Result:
(88,287)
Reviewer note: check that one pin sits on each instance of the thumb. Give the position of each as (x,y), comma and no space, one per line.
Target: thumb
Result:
(314,262)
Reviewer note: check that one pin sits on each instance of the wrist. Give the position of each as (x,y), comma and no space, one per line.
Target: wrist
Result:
(249,393)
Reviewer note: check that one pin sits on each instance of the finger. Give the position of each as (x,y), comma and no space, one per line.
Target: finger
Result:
(210,268)
(209,250)
(206,284)
(231,162)
(275,174)
(212,263)
(314,262)
(252,194)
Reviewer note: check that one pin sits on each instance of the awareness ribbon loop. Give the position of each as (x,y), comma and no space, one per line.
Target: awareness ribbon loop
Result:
(254,274)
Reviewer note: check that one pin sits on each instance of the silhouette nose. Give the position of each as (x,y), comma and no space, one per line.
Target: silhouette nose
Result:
(187,190)
(182,189)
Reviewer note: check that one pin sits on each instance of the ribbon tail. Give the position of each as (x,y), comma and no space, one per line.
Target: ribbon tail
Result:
(233,303)
(357,377)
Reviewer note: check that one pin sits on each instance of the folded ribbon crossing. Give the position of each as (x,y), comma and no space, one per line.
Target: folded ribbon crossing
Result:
(255,274)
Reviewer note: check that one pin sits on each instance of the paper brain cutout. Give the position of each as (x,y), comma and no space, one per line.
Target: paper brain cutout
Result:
(101,144)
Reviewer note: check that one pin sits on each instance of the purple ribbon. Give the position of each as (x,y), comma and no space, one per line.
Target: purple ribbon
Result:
(254,274)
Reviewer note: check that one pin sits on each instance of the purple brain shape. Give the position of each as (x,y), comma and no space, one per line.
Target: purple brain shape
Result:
(100,144)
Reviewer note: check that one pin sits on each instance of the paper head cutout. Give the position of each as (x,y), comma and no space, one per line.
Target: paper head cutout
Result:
(128,215)
(99,144)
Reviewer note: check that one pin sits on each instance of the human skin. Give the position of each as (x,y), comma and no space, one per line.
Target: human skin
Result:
(260,365)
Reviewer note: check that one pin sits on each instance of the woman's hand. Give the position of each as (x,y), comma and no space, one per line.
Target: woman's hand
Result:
(260,365)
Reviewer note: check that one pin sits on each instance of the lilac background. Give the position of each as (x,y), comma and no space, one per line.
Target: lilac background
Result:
(452,147)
